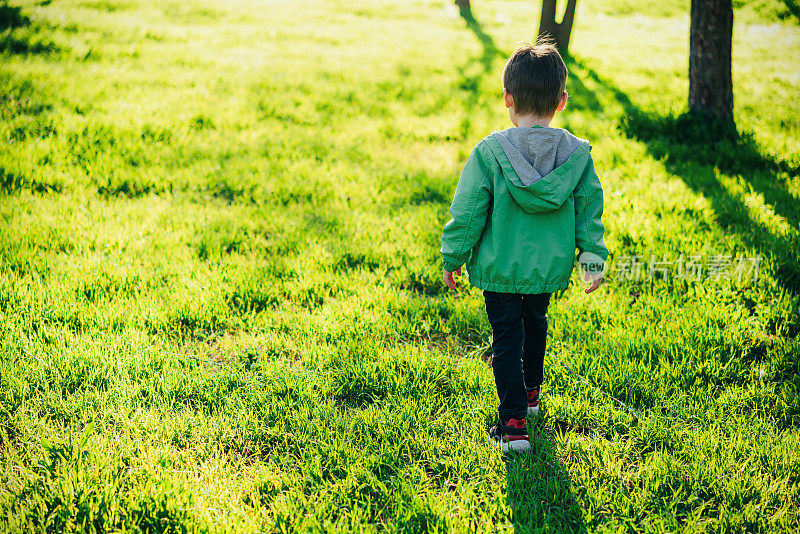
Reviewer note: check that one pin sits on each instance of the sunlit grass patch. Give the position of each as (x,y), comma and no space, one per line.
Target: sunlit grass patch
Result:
(220,295)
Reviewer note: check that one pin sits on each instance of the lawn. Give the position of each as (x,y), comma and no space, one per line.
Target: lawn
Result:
(220,295)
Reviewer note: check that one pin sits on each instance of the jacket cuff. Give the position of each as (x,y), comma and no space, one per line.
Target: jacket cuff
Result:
(450,266)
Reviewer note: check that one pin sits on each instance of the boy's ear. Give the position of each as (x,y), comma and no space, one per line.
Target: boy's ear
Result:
(509,100)
(563,102)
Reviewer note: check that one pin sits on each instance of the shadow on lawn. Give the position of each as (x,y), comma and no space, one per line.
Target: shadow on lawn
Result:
(12,17)
(471,77)
(792,9)
(540,489)
(696,155)
(19,37)
(490,50)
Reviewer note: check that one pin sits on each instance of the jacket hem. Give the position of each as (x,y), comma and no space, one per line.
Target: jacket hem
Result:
(527,289)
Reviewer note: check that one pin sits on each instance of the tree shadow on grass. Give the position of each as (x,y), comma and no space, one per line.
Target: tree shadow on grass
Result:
(540,489)
(792,9)
(490,50)
(18,36)
(471,77)
(698,155)
(12,17)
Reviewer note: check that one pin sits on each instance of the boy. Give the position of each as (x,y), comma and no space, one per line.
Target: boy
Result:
(527,197)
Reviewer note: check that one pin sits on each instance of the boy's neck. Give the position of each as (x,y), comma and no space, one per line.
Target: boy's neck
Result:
(529,121)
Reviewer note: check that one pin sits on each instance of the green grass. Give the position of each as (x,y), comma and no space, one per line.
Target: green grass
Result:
(220,304)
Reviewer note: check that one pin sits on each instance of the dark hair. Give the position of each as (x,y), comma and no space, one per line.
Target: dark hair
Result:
(536,76)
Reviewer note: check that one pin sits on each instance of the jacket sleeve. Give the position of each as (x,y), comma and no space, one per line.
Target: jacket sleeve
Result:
(469,211)
(589,228)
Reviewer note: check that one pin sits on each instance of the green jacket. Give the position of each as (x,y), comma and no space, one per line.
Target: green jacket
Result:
(526,199)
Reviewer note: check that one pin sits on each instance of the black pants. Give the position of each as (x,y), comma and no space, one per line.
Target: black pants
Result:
(519,338)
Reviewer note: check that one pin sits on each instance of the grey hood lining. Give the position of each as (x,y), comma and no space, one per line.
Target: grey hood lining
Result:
(535,152)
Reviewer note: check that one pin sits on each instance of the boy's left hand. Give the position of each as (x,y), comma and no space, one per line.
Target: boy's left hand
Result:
(447,277)
(596,280)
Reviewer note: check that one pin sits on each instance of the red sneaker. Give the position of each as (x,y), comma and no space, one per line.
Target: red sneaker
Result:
(512,435)
(533,401)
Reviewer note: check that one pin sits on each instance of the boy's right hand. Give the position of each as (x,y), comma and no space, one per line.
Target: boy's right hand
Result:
(447,277)
(596,279)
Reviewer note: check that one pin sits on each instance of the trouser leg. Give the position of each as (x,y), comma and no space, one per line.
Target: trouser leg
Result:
(504,311)
(534,317)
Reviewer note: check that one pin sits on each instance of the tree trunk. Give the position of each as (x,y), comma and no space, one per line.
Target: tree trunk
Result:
(710,83)
(560,31)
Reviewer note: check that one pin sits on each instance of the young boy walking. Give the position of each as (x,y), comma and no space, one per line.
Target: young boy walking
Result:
(527,198)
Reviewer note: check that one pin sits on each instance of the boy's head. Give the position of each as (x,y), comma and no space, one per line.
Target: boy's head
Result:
(535,79)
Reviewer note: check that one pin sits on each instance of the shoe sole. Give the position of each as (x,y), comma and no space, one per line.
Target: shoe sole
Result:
(533,411)
(518,445)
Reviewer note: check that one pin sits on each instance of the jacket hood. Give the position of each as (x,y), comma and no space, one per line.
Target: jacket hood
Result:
(541,165)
